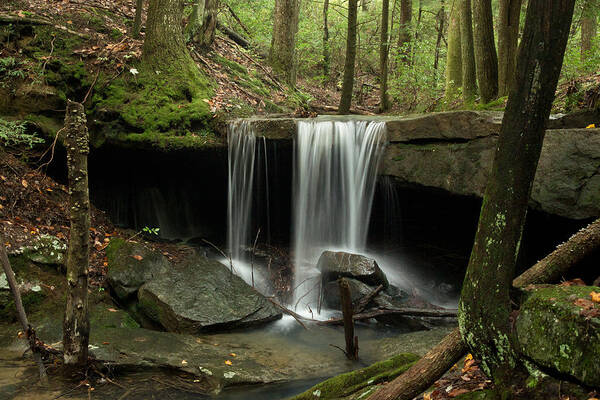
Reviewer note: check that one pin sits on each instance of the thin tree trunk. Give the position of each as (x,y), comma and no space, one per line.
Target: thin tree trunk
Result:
(384,103)
(206,33)
(441,21)
(76,326)
(509,16)
(22,316)
(589,26)
(454,55)
(326,51)
(469,80)
(282,55)
(364,5)
(443,356)
(137,22)
(485,305)
(195,21)
(486,59)
(346,301)
(348,82)
(404,33)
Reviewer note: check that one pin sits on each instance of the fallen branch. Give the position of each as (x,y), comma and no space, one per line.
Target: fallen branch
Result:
(364,302)
(443,356)
(297,317)
(233,35)
(7,18)
(238,20)
(408,312)
(333,109)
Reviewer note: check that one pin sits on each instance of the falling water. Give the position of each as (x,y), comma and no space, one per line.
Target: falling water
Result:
(334,181)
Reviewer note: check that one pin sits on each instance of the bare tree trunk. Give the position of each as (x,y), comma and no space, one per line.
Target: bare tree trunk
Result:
(485,305)
(404,33)
(22,316)
(384,46)
(441,21)
(486,59)
(348,83)
(137,22)
(509,16)
(206,33)
(326,51)
(469,80)
(282,55)
(346,300)
(589,26)
(76,326)
(454,55)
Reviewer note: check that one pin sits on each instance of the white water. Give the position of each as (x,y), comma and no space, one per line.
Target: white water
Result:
(334,182)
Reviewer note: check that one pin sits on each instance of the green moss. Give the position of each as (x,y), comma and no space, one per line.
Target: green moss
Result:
(498,104)
(233,66)
(113,246)
(30,300)
(478,395)
(352,382)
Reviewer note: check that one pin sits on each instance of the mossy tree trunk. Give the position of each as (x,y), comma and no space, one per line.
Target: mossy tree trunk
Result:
(282,55)
(509,17)
(404,33)
(485,305)
(195,21)
(326,50)
(469,80)
(348,83)
(137,22)
(486,59)
(454,54)
(384,103)
(206,33)
(76,324)
(589,26)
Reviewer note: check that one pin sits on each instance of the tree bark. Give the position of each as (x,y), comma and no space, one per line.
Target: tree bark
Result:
(509,16)
(441,21)
(589,26)
(137,22)
(326,51)
(346,301)
(486,59)
(282,55)
(384,103)
(195,21)
(348,82)
(485,305)
(206,33)
(454,54)
(76,326)
(469,80)
(404,33)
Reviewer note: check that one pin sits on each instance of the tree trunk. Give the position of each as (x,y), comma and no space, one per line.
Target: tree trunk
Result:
(364,5)
(326,51)
(454,54)
(441,22)
(485,305)
(469,80)
(76,326)
(404,33)
(485,50)
(384,103)
(195,21)
(137,22)
(206,33)
(283,44)
(348,83)
(346,301)
(509,16)
(589,27)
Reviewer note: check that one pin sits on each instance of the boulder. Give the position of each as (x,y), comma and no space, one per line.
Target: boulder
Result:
(203,295)
(335,265)
(331,293)
(558,328)
(46,249)
(130,265)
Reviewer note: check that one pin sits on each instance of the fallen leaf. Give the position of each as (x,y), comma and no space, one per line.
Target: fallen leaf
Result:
(227,362)
(457,392)
(184,363)
(112,310)
(595,297)
(584,303)
(138,257)
(590,126)
(233,354)
(24,183)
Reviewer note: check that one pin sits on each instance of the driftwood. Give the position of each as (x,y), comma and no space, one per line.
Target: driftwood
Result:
(346,300)
(29,332)
(408,312)
(364,302)
(32,20)
(443,356)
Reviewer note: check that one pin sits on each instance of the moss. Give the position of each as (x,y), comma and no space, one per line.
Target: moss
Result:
(498,104)
(233,66)
(352,382)
(30,300)
(113,246)
(478,395)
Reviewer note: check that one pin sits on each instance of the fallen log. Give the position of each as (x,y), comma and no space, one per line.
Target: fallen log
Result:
(233,35)
(447,353)
(407,312)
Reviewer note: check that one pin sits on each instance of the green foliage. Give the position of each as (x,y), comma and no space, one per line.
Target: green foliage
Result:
(14,133)
(10,68)
(151,231)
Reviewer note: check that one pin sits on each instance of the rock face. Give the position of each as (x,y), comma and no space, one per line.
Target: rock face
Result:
(130,265)
(334,265)
(46,249)
(558,328)
(203,295)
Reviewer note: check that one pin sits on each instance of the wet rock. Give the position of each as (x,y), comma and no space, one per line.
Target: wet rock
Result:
(130,265)
(46,249)
(335,265)
(331,293)
(202,295)
(558,328)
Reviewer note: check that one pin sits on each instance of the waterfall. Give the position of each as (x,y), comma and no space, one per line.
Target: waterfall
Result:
(335,173)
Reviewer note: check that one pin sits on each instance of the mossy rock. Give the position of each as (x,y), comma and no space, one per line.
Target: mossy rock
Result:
(46,249)
(359,382)
(130,265)
(558,334)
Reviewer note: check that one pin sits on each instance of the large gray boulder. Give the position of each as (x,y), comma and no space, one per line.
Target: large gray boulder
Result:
(337,264)
(130,265)
(558,328)
(203,295)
